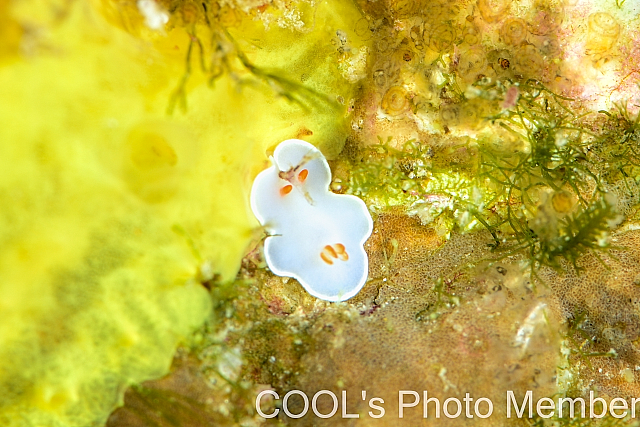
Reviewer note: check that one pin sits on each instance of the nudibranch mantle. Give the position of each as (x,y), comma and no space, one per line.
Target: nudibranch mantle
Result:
(315,236)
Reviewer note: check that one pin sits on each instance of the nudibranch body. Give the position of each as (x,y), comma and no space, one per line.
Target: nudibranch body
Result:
(315,236)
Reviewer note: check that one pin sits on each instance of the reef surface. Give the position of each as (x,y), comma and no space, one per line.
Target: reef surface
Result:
(496,145)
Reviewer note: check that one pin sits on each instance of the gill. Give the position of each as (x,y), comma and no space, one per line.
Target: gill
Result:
(297,175)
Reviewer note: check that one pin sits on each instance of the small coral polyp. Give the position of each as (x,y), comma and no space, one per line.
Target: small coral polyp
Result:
(315,236)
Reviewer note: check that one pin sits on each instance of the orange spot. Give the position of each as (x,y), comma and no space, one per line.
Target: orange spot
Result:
(325,258)
(330,251)
(334,251)
(286,190)
(303,132)
(302,176)
(341,251)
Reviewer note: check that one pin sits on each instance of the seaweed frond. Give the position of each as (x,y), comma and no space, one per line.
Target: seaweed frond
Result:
(585,231)
(620,147)
(536,180)
(225,56)
(445,300)
(413,177)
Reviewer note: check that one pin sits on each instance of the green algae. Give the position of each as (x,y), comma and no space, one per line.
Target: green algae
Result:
(113,213)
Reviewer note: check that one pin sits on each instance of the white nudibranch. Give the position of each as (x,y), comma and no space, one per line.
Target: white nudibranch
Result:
(315,236)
